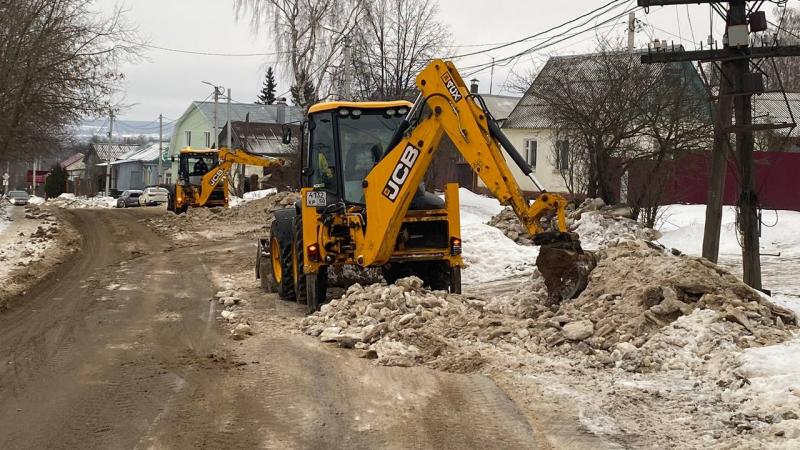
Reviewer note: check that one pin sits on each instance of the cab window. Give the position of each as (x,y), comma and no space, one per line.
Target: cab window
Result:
(322,157)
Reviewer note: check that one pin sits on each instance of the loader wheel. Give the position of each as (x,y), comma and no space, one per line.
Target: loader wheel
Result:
(280,263)
(310,289)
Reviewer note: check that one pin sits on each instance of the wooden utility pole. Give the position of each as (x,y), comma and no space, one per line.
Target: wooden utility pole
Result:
(736,87)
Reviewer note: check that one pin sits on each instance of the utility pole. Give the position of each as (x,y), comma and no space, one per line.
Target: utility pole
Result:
(230,127)
(631,31)
(348,70)
(218,90)
(108,153)
(491,78)
(161,148)
(736,57)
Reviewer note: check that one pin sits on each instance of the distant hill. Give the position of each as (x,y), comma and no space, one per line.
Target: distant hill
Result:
(122,128)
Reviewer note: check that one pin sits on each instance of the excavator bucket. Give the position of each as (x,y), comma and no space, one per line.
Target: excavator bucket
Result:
(564,265)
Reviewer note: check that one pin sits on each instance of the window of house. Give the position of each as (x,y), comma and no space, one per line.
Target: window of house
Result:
(207,138)
(531,147)
(188,138)
(562,155)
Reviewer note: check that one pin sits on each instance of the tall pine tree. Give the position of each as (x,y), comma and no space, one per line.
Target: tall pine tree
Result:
(267,94)
(303,86)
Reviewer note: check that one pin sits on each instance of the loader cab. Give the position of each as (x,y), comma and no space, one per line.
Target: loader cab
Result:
(343,141)
(194,163)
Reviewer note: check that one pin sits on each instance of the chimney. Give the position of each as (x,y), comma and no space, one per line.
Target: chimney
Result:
(473,87)
(280,108)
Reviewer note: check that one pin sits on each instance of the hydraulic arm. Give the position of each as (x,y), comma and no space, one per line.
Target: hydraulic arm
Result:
(227,159)
(452,110)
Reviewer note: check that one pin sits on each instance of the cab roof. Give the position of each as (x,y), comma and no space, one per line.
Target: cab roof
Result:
(329,106)
(199,150)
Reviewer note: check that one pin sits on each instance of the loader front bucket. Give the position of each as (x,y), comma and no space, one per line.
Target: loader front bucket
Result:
(564,265)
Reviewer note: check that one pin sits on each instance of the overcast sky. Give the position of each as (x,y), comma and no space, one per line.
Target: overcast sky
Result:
(167,82)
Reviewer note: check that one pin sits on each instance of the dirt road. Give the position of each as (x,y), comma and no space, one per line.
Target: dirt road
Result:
(121,349)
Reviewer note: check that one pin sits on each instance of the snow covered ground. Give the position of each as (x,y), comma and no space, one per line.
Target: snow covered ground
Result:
(488,253)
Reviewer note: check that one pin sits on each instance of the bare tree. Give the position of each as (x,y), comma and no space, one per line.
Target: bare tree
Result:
(393,43)
(786,71)
(309,34)
(610,111)
(58,62)
(595,99)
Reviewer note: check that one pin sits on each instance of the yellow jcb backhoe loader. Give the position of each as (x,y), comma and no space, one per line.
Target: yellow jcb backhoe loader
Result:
(203,176)
(362,165)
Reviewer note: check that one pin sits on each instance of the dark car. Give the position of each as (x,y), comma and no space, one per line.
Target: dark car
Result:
(128,198)
(18,197)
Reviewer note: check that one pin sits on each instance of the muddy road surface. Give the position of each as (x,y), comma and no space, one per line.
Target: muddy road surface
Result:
(121,348)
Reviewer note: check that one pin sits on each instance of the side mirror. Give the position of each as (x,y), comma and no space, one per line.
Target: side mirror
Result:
(287,135)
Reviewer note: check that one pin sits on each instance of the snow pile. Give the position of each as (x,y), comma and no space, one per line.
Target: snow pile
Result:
(235,202)
(250,216)
(404,324)
(74,202)
(35,200)
(599,230)
(30,240)
(597,225)
(648,309)
(488,254)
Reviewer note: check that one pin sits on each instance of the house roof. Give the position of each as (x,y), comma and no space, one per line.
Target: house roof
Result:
(500,105)
(239,112)
(147,153)
(263,138)
(115,150)
(531,111)
(72,160)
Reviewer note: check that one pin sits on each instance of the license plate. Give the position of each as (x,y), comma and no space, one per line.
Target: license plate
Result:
(316,198)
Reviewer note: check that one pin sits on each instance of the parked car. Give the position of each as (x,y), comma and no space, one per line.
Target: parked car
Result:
(128,199)
(153,196)
(18,197)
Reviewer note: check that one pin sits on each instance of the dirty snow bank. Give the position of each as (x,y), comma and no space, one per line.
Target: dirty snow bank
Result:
(656,337)
(249,217)
(32,242)
(72,201)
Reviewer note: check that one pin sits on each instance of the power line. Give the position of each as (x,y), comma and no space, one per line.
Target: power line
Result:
(548,43)
(202,53)
(527,38)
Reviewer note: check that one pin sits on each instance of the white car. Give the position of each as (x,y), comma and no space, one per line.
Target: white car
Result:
(153,196)
(18,197)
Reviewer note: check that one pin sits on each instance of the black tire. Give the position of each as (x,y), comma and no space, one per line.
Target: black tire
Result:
(313,294)
(285,287)
(171,199)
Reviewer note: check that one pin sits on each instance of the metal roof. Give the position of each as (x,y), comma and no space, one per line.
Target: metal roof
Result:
(239,112)
(500,105)
(264,138)
(115,150)
(72,160)
(531,111)
(148,153)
